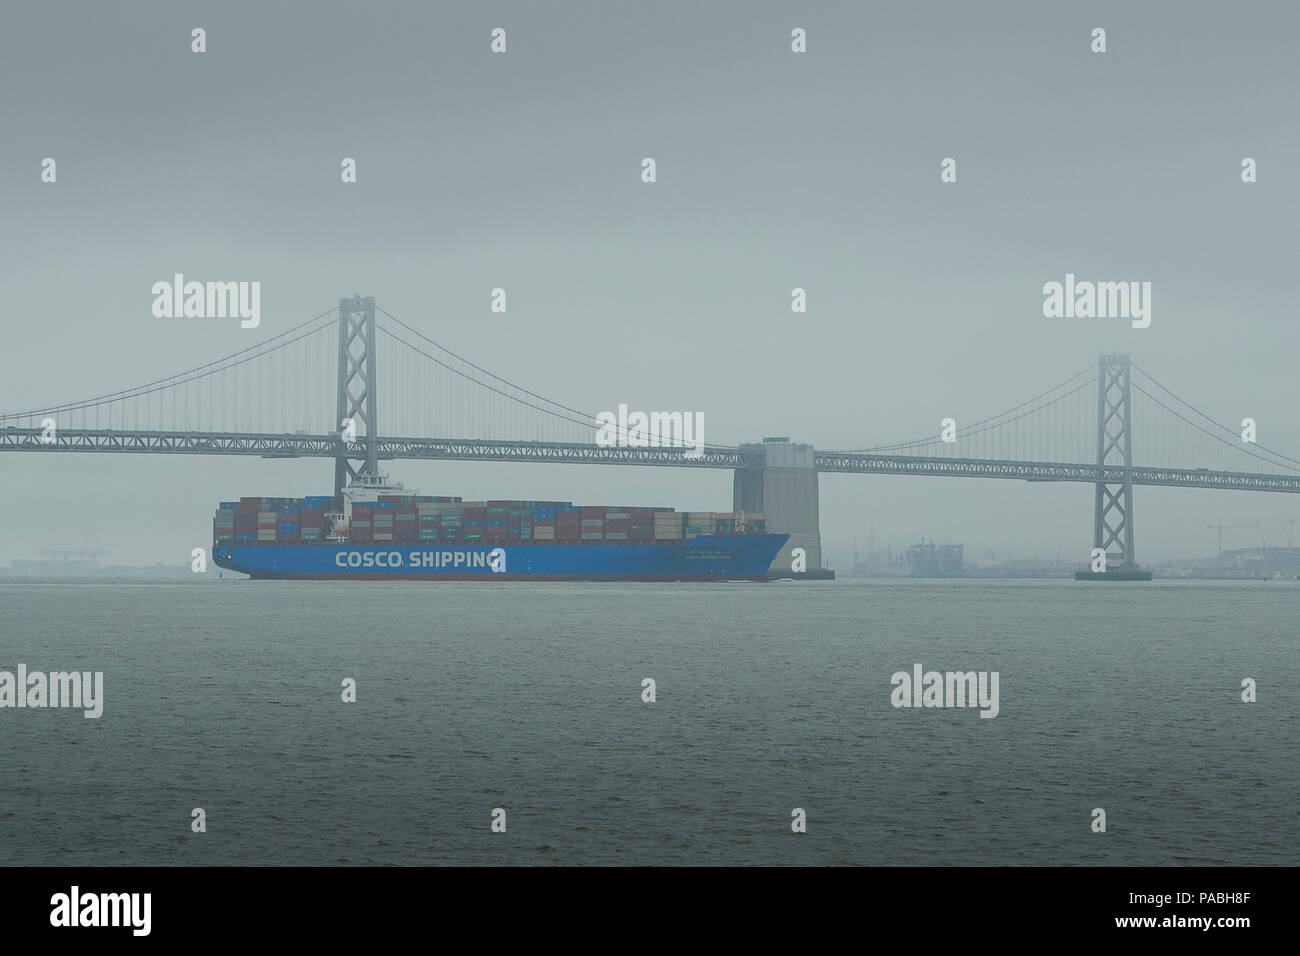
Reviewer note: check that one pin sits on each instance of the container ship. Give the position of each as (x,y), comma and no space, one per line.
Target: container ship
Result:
(375,530)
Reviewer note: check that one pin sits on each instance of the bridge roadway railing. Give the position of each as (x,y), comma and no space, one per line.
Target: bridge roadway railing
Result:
(330,446)
(472,449)
(1035,471)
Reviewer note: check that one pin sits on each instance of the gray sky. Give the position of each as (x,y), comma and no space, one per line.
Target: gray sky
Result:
(775,170)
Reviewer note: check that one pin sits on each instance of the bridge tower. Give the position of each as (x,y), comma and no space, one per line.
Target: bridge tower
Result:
(1113,515)
(356,388)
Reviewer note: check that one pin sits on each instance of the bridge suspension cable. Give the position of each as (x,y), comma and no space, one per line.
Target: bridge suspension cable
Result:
(287,383)
(225,363)
(1232,441)
(984,425)
(556,410)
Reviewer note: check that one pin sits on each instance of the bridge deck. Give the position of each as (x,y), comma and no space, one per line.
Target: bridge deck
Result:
(467,449)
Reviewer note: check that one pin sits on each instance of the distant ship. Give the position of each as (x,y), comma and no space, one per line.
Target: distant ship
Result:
(376,530)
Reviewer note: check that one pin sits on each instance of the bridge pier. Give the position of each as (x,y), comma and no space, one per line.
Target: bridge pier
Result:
(784,488)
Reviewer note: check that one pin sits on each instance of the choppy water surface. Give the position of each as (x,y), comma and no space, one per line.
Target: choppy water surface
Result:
(472,696)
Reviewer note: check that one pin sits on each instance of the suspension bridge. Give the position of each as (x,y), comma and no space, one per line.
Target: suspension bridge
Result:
(314,391)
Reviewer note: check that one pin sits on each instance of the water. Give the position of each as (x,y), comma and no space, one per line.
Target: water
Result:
(227,696)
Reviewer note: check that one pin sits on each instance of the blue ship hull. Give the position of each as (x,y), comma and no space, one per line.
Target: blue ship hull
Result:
(744,557)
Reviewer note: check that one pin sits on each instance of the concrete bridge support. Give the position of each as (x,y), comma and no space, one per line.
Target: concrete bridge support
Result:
(785,489)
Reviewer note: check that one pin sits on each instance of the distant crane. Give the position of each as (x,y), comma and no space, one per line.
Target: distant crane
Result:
(1220,526)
